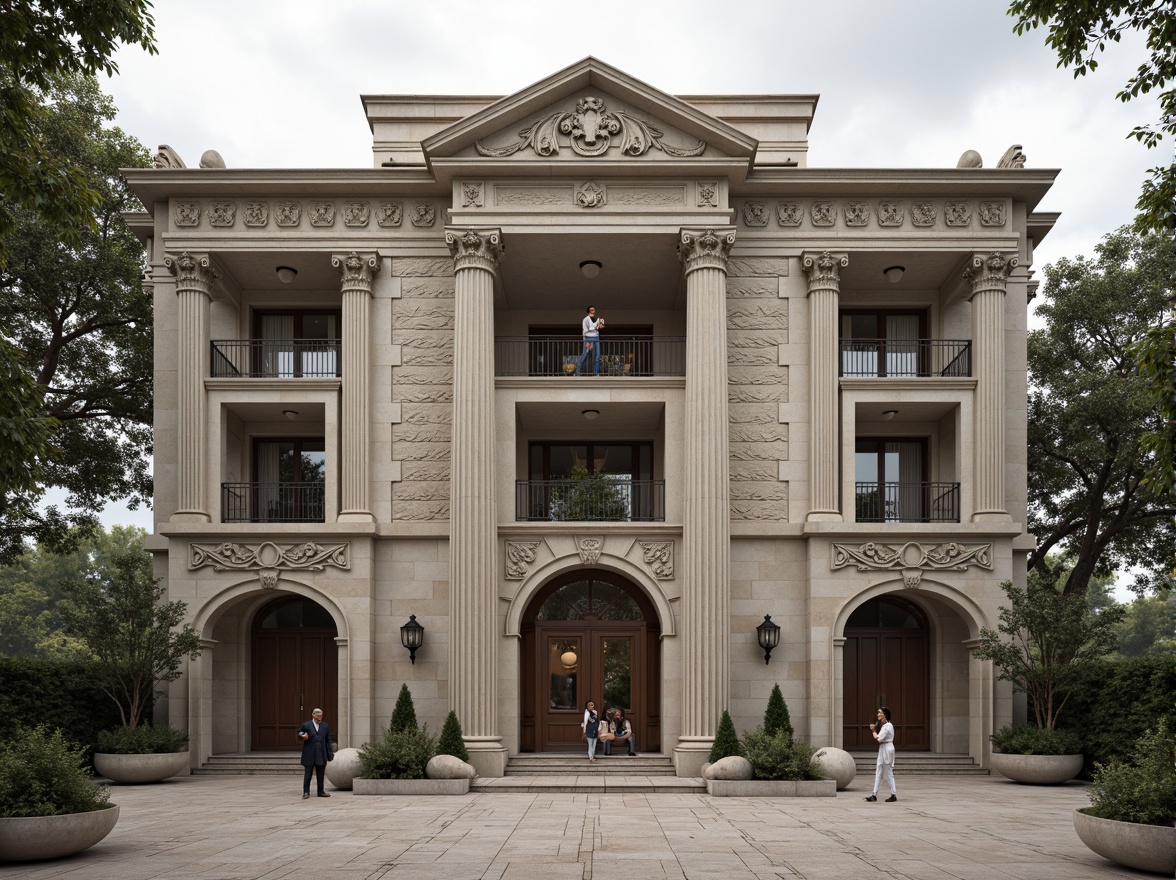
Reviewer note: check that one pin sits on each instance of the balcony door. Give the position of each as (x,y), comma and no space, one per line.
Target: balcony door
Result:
(889,477)
(557,488)
(883,343)
(291,475)
(297,344)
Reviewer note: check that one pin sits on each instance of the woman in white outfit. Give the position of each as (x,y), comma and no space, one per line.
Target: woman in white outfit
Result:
(883,732)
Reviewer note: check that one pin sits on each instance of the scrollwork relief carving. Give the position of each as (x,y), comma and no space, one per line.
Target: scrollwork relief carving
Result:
(519,556)
(923,214)
(288,213)
(222,213)
(890,214)
(912,558)
(306,556)
(471,195)
(356,213)
(589,195)
(659,556)
(389,214)
(708,195)
(589,549)
(856,213)
(821,213)
(755,214)
(992,213)
(322,213)
(957,213)
(423,214)
(187,214)
(255,213)
(789,213)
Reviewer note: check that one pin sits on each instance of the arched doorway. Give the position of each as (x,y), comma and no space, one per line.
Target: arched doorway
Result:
(886,662)
(295,669)
(589,635)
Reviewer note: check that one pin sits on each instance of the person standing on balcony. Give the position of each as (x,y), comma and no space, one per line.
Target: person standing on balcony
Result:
(591,332)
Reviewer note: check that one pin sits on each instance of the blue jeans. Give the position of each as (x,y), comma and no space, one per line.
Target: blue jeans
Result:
(591,347)
(591,747)
(629,742)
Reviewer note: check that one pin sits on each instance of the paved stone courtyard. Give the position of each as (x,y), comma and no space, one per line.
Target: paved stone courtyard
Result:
(239,828)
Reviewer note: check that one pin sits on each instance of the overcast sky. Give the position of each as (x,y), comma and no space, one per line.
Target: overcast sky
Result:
(903,83)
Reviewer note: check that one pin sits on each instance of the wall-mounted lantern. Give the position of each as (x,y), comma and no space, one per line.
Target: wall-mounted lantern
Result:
(412,636)
(768,635)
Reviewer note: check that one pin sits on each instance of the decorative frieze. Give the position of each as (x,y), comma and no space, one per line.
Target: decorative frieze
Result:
(255,214)
(389,214)
(590,195)
(957,213)
(890,213)
(708,195)
(755,214)
(321,213)
(659,556)
(992,213)
(187,214)
(423,215)
(912,558)
(471,195)
(821,213)
(923,214)
(288,213)
(222,213)
(356,213)
(519,556)
(789,213)
(856,213)
(305,556)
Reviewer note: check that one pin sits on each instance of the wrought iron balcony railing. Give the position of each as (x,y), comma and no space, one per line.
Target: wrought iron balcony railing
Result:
(276,358)
(908,502)
(899,358)
(609,500)
(273,502)
(619,356)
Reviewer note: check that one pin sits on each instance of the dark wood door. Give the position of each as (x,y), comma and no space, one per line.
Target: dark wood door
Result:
(295,670)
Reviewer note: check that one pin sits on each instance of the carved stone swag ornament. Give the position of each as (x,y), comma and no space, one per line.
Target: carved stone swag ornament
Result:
(912,558)
(268,559)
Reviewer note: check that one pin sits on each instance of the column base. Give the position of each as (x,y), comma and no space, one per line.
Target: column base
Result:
(690,754)
(991,516)
(487,755)
(356,516)
(824,516)
(190,516)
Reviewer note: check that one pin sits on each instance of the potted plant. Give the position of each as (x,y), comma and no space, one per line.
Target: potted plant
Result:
(1043,639)
(133,641)
(49,805)
(1133,806)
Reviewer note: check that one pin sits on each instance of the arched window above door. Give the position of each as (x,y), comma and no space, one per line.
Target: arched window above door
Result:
(590,599)
(295,613)
(887,613)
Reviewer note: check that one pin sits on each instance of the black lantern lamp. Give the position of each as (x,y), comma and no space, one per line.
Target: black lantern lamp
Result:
(768,635)
(412,636)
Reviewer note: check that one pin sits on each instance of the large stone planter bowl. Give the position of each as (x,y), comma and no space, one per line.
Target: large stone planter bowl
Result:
(342,771)
(1037,769)
(1143,847)
(139,769)
(26,839)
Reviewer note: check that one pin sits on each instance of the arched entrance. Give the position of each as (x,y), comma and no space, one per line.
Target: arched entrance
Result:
(887,663)
(295,669)
(589,635)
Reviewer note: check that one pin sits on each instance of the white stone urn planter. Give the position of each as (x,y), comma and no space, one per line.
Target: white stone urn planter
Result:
(1143,847)
(416,787)
(1037,769)
(30,838)
(140,769)
(771,788)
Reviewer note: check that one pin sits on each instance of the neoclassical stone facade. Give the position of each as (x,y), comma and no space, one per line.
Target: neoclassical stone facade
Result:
(371,404)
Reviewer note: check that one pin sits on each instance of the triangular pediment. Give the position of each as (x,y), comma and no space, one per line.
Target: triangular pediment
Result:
(586,111)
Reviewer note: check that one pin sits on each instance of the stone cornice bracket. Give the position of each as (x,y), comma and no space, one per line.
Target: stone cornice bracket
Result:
(989,272)
(708,248)
(356,270)
(823,269)
(193,272)
(475,248)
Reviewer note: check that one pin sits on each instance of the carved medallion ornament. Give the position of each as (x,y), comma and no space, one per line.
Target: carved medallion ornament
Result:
(708,195)
(268,558)
(659,556)
(389,214)
(957,213)
(857,214)
(356,270)
(890,214)
(705,248)
(923,214)
(322,213)
(789,213)
(992,213)
(222,213)
(755,214)
(187,214)
(193,272)
(474,249)
(589,195)
(589,549)
(288,213)
(519,556)
(589,131)
(423,214)
(356,213)
(471,195)
(255,213)
(989,272)
(912,558)
(822,213)
(824,270)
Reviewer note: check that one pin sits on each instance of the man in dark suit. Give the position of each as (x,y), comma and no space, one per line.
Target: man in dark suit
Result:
(315,736)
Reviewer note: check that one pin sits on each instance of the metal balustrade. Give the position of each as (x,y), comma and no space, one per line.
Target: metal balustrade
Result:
(570,500)
(273,502)
(277,358)
(907,502)
(898,358)
(619,356)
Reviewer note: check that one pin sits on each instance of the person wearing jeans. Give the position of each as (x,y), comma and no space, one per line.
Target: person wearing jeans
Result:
(591,328)
(591,727)
(622,732)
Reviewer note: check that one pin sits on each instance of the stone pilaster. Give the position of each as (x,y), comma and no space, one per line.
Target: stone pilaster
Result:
(824,293)
(988,275)
(355,271)
(195,276)
(473,533)
(706,522)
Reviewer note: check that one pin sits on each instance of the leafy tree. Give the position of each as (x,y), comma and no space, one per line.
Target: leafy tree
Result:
(588,495)
(1157,364)
(404,715)
(80,396)
(451,742)
(726,741)
(776,717)
(134,637)
(1042,641)
(1148,627)
(1088,407)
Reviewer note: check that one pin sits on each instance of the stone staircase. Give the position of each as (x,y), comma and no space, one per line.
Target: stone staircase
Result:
(618,773)
(251,764)
(920,764)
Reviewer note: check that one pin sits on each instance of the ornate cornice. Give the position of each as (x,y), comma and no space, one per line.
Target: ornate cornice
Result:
(474,248)
(519,556)
(823,269)
(268,558)
(193,272)
(989,272)
(912,558)
(708,248)
(356,270)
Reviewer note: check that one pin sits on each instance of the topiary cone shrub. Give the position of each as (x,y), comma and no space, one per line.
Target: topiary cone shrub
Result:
(404,718)
(451,742)
(776,718)
(726,742)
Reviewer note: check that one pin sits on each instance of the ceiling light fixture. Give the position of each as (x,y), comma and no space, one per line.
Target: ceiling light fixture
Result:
(290,413)
(894,274)
(286,274)
(590,414)
(889,413)
(591,268)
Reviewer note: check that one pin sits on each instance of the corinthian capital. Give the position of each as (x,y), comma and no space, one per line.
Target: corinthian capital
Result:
(356,270)
(989,272)
(193,272)
(823,269)
(475,248)
(708,248)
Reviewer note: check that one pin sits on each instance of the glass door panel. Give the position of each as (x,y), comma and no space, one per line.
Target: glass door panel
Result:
(617,667)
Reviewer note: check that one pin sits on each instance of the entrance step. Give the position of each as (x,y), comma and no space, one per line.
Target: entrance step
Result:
(617,764)
(921,764)
(251,764)
(616,774)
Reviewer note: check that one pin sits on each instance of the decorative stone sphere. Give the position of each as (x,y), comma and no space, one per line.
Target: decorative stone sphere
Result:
(836,764)
(732,767)
(703,769)
(970,159)
(342,771)
(449,767)
(211,159)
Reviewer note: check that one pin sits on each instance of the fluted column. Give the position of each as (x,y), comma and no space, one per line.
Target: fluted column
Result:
(195,276)
(824,293)
(988,275)
(355,271)
(473,533)
(706,522)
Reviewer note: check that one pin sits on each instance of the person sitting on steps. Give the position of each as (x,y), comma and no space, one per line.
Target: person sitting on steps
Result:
(622,732)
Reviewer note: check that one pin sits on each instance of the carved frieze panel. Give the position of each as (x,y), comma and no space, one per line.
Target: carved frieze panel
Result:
(288,213)
(423,214)
(890,214)
(222,213)
(992,213)
(389,214)
(821,213)
(912,558)
(471,195)
(533,195)
(923,214)
(255,213)
(519,556)
(269,559)
(755,214)
(590,195)
(589,549)
(648,196)
(659,557)
(789,213)
(856,213)
(321,213)
(356,213)
(187,214)
(708,195)
(957,213)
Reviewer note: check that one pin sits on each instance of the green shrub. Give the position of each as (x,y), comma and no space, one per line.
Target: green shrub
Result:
(404,715)
(779,756)
(402,755)
(776,717)
(1142,790)
(42,774)
(726,742)
(451,742)
(1027,739)
(143,740)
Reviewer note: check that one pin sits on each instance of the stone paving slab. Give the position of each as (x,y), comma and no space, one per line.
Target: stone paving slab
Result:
(249,828)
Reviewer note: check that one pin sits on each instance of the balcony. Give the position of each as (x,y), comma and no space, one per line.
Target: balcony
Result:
(619,355)
(273,502)
(571,500)
(276,358)
(905,358)
(907,502)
